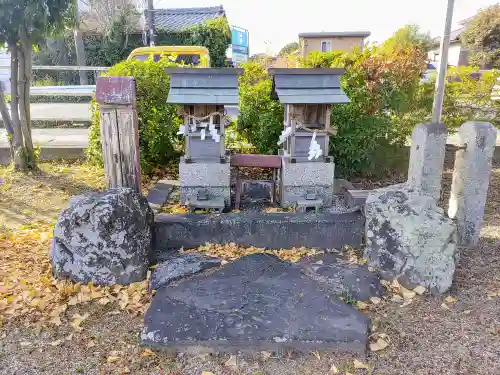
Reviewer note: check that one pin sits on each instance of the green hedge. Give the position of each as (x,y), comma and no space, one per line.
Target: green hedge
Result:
(158,121)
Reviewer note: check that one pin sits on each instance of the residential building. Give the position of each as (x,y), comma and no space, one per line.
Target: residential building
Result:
(331,41)
(181,18)
(457,53)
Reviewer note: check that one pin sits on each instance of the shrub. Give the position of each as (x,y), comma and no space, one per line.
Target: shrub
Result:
(261,119)
(158,121)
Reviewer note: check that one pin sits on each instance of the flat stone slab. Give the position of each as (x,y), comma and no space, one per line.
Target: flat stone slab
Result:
(349,280)
(257,302)
(180,265)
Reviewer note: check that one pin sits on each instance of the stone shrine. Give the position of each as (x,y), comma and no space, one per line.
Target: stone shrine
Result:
(308,171)
(204,171)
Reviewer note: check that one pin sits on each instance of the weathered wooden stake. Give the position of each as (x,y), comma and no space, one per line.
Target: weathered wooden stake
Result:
(119,131)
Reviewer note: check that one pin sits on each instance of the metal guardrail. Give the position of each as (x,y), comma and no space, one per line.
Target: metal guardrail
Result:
(79,90)
(65,67)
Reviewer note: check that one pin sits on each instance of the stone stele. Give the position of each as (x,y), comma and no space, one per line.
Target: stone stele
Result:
(105,238)
(409,238)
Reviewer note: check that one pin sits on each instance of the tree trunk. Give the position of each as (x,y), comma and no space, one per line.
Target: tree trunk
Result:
(4,111)
(24,96)
(18,150)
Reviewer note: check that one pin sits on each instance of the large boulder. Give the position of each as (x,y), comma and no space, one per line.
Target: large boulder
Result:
(105,238)
(409,238)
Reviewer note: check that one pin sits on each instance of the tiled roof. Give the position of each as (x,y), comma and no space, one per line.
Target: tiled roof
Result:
(454,36)
(180,18)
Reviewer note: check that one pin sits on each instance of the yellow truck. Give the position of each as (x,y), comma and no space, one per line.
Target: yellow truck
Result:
(193,55)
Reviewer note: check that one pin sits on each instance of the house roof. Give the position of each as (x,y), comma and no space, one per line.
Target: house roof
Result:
(203,85)
(180,18)
(308,86)
(454,36)
(333,34)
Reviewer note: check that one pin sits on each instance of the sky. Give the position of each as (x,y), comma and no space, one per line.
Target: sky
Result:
(272,24)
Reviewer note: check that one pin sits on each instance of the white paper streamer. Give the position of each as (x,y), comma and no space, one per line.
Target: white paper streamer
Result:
(182,130)
(202,132)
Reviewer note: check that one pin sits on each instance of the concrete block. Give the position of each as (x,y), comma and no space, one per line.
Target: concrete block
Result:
(297,179)
(213,176)
(471,178)
(427,154)
(353,198)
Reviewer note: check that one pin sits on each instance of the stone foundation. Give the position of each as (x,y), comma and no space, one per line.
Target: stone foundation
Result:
(300,178)
(210,175)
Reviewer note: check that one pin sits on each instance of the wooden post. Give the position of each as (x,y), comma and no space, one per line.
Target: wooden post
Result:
(119,131)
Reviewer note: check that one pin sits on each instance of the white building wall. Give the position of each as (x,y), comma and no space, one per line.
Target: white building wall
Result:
(453,54)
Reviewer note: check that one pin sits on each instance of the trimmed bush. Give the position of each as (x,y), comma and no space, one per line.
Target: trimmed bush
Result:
(158,121)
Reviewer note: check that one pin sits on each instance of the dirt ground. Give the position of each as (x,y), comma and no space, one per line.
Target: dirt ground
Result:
(457,333)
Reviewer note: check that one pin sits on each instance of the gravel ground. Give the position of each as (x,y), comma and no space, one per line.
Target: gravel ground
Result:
(429,336)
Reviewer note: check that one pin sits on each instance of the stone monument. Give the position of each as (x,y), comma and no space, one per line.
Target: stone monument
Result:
(308,171)
(204,171)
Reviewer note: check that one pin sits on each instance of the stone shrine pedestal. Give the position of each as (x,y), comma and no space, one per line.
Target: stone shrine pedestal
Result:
(304,177)
(211,175)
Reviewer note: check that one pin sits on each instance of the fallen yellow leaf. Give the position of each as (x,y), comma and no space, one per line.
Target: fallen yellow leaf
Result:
(78,320)
(407,294)
(445,306)
(450,299)
(419,290)
(492,294)
(104,301)
(378,345)
(375,300)
(207,373)
(396,298)
(113,359)
(125,370)
(56,343)
(231,362)
(91,344)
(361,305)
(147,353)
(265,355)
(334,370)
(359,365)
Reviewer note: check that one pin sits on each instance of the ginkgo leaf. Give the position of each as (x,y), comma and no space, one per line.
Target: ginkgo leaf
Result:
(380,344)
(361,305)
(450,299)
(407,294)
(334,370)
(147,353)
(113,359)
(125,370)
(375,300)
(231,362)
(445,306)
(359,365)
(56,343)
(56,320)
(104,301)
(396,298)
(419,290)
(207,373)
(78,320)
(91,344)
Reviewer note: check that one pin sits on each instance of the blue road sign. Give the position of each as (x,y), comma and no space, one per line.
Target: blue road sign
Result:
(239,37)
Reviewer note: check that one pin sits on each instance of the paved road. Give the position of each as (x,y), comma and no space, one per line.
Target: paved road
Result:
(77,138)
(60,111)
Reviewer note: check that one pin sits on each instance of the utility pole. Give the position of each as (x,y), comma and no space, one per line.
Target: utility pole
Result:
(80,48)
(151,23)
(437,108)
